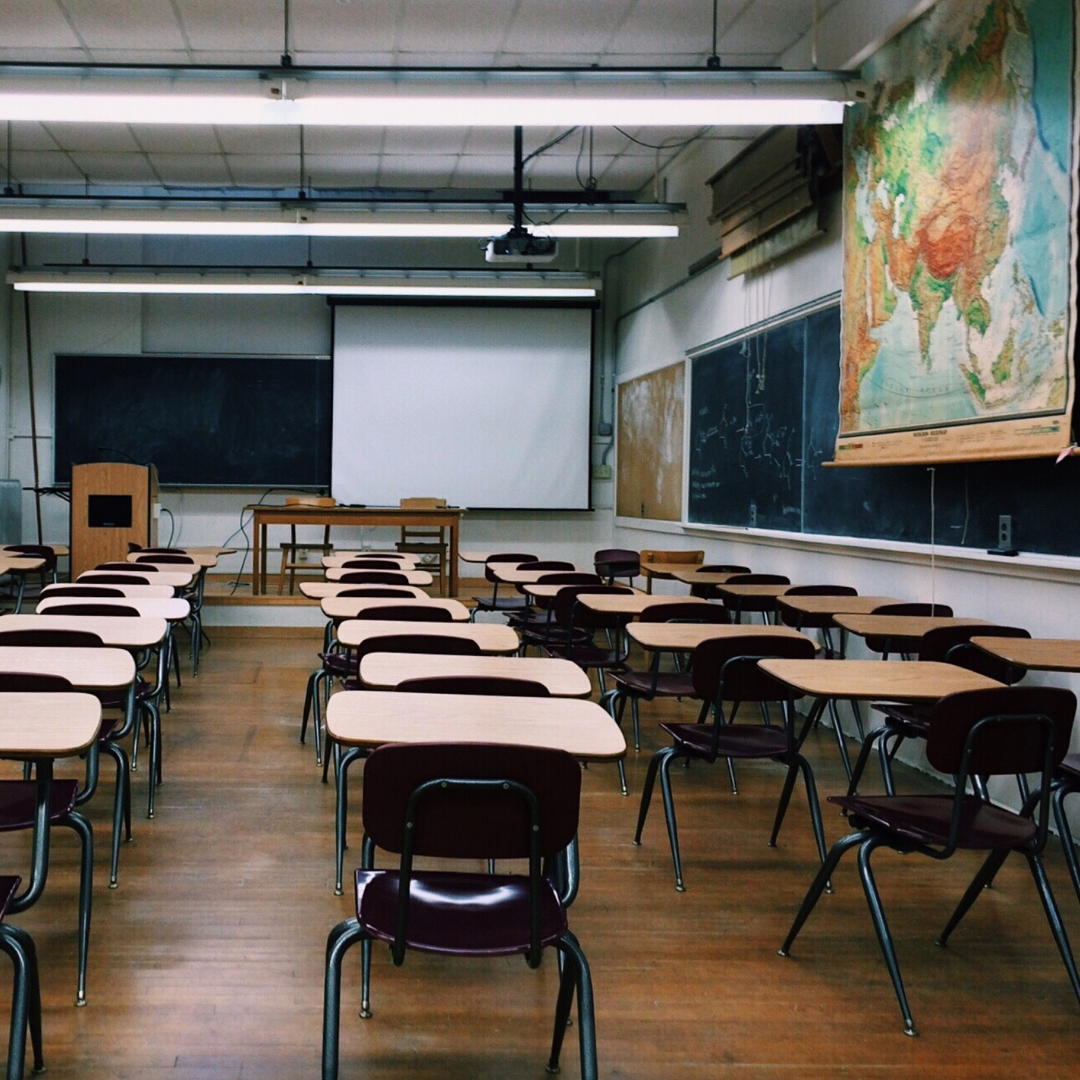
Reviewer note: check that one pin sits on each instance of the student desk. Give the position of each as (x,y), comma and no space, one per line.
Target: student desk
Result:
(705,577)
(902,632)
(491,637)
(86,670)
(405,560)
(349,607)
(800,606)
(172,609)
(264,515)
(119,631)
(563,678)
(1038,654)
(767,597)
(320,590)
(59,550)
(145,592)
(412,577)
(176,578)
(365,720)
(633,604)
(685,637)
(510,574)
(20,565)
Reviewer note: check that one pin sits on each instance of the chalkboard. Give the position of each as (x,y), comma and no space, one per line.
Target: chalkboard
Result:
(202,420)
(764,412)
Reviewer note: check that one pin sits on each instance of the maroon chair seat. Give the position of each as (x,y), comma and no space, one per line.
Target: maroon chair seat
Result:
(466,801)
(612,563)
(26,997)
(978,733)
(726,669)
(1067,782)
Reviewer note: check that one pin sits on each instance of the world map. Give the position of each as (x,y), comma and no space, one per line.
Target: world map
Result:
(958,231)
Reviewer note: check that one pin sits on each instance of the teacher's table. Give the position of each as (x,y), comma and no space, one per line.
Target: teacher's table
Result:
(366,720)
(901,633)
(491,637)
(264,515)
(145,592)
(412,577)
(177,579)
(406,560)
(86,670)
(320,590)
(563,678)
(42,727)
(1038,654)
(349,607)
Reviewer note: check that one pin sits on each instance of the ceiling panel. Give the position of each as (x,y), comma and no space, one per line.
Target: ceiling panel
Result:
(33,25)
(147,25)
(45,166)
(252,28)
(343,170)
(102,168)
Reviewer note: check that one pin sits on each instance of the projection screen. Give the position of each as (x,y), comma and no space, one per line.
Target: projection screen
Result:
(487,407)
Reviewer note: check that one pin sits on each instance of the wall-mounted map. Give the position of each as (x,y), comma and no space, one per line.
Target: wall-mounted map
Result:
(960,195)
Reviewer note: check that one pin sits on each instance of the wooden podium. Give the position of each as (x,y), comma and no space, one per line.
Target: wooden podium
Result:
(113,504)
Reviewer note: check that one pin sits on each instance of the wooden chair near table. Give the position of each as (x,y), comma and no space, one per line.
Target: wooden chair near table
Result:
(292,549)
(687,559)
(428,541)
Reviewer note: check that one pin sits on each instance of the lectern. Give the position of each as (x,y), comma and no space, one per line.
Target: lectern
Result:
(113,504)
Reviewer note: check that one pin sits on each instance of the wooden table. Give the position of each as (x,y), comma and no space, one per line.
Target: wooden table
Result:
(800,606)
(266,514)
(146,592)
(1038,654)
(172,609)
(902,632)
(491,637)
(320,590)
(403,559)
(365,720)
(412,577)
(178,579)
(349,607)
(563,678)
(633,604)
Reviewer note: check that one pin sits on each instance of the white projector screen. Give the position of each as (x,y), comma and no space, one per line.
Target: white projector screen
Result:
(487,407)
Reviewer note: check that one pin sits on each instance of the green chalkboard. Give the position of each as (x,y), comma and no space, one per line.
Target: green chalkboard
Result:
(764,412)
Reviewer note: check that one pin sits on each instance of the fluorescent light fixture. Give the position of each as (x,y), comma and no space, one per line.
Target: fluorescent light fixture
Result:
(286,223)
(476,285)
(419,98)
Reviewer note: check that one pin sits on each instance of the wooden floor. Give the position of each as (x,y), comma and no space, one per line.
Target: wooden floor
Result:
(207,961)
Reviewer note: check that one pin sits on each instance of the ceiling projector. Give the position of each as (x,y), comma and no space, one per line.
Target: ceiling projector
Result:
(521,247)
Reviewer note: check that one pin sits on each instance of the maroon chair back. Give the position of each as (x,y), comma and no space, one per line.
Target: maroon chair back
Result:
(681,611)
(372,564)
(373,577)
(566,609)
(812,620)
(722,568)
(486,685)
(82,590)
(547,564)
(93,609)
(504,557)
(147,568)
(439,644)
(39,551)
(386,592)
(417,612)
(118,579)
(464,824)
(167,559)
(727,669)
(51,639)
(919,609)
(952,644)
(23,682)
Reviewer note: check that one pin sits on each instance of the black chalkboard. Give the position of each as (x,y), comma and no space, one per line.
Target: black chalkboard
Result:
(764,412)
(202,420)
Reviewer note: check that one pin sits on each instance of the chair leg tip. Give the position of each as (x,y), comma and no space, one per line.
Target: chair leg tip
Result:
(909,1029)
(781,952)
(365,1013)
(552,1070)
(338,891)
(680,887)
(113,884)
(80,1001)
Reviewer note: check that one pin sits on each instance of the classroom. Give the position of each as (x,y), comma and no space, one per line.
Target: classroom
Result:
(560,427)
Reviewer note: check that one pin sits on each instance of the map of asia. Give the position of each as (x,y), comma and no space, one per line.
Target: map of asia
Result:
(960,239)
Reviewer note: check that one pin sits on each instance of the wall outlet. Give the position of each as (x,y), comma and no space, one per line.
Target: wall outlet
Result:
(601,472)
(1005,531)
(753,515)
(301,555)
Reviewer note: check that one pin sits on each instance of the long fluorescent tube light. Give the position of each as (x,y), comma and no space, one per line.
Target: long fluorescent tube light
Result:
(171,222)
(314,283)
(411,98)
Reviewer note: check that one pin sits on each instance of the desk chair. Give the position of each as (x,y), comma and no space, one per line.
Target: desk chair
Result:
(977,733)
(708,592)
(726,669)
(612,563)
(471,801)
(880,643)
(426,540)
(688,558)
(46,574)
(763,604)
(495,602)
(193,594)
(290,552)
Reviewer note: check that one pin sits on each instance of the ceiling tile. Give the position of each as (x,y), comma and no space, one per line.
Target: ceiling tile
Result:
(191,170)
(176,139)
(45,166)
(343,170)
(34,25)
(415,171)
(106,169)
(251,27)
(146,25)
(112,137)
